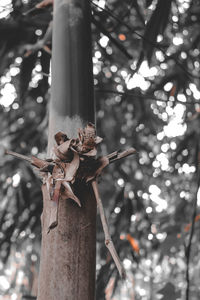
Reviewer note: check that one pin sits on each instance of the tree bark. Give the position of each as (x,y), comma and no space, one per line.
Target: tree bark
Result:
(68,253)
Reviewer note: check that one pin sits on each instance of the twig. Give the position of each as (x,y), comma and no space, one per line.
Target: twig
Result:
(108,241)
(116,155)
(147,97)
(112,39)
(21,156)
(122,154)
(40,44)
(39,6)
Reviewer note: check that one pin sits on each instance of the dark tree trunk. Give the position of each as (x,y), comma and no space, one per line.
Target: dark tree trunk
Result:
(67,267)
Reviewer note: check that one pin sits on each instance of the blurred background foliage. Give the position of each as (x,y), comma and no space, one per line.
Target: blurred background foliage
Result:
(146,75)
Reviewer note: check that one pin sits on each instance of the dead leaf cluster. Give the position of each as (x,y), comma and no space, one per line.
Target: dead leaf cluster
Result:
(75,160)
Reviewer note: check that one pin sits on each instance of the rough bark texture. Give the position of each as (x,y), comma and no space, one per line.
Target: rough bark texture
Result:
(67,267)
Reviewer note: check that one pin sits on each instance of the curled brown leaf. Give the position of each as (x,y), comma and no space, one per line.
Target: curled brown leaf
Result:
(71,168)
(56,191)
(60,138)
(58,171)
(68,193)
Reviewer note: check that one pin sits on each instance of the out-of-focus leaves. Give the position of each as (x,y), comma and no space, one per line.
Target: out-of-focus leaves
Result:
(171,241)
(103,277)
(112,39)
(148,2)
(132,241)
(156,25)
(169,292)
(25,74)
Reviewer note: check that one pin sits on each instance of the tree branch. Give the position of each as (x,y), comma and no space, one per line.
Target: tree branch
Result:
(112,39)
(147,97)
(40,44)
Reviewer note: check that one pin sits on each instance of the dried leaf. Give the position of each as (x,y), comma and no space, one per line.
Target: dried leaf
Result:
(56,191)
(65,147)
(188,226)
(62,156)
(60,138)
(89,130)
(58,171)
(47,168)
(53,220)
(102,162)
(39,163)
(71,168)
(133,242)
(88,137)
(87,141)
(64,151)
(92,152)
(47,49)
(98,140)
(49,184)
(80,135)
(173,91)
(68,193)
(36,162)
(44,3)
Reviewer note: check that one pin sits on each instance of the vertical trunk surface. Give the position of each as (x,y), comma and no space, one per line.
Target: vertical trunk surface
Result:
(67,267)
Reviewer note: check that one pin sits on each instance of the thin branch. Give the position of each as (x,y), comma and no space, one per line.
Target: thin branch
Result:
(15,154)
(108,241)
(40,44)
(147,97)
(112,39)
(39,6)
(119,155)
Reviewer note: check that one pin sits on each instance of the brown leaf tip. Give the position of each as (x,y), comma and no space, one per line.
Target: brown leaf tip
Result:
(85,144)
(60,138)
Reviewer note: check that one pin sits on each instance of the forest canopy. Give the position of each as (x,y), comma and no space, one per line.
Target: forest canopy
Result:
(146,63)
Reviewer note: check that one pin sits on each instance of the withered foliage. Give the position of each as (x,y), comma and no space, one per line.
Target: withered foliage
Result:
(74,160)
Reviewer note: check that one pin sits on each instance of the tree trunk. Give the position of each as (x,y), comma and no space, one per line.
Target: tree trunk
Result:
(67,267)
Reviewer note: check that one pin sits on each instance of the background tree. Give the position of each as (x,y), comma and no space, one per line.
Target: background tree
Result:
(151,200)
